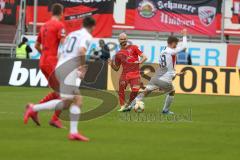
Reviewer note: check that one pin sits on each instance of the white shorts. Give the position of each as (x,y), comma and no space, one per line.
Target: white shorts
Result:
(69,85)
(163,86)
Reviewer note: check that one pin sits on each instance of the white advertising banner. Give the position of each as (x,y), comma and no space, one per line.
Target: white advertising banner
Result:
(202,54)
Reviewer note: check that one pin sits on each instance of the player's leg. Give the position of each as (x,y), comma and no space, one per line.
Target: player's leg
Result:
(69,89)
(75,114)
(72,91)
(54,120)
(135,87)
(54,84)
(149,88)
(168,88)
(121,93)
(32,110)
(75,110)
(50,96)
(139,98)
(48,71)
(167,104)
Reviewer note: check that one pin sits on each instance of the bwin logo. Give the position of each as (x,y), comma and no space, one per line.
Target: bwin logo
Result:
(20,76)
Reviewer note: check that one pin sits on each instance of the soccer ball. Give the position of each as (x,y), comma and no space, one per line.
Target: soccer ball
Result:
(139,107)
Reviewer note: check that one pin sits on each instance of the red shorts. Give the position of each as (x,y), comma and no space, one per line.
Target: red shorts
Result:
(134,83)
(48,69)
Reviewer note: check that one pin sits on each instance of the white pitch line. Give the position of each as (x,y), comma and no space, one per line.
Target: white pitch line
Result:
(8,113)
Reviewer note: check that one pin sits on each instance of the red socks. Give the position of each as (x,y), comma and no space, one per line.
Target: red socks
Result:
(49,97)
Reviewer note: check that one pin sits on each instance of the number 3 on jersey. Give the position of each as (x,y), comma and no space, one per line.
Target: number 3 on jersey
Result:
(163,62)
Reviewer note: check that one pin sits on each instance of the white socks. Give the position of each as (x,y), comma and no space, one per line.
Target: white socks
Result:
(168,102)
(74,117)
(140,97)
(55,104)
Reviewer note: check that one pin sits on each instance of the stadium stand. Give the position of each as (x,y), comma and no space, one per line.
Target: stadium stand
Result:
(7,36)
(7,33)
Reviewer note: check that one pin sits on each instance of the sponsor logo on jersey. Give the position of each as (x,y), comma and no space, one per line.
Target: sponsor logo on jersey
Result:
(206,15)
(147,9)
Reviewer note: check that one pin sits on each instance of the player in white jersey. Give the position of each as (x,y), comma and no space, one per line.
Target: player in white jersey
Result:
(165,74)
(71,60)
(70,70)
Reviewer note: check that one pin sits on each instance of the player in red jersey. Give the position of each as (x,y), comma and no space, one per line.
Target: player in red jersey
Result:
(69,78)
(128,57)
(52,33)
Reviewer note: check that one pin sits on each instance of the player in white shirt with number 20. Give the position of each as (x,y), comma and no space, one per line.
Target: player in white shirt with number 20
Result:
(165,74)
(71,61)
(71,69)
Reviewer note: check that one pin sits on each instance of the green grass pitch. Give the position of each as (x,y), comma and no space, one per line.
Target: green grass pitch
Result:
(212,134)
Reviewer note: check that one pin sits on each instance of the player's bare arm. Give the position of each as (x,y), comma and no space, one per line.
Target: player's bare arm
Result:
(184,32)
(38,47)
(143,58)
(83,67)
(62,35)
(173,43)
(179,74)
(183,46)
(63,39)
(113,65)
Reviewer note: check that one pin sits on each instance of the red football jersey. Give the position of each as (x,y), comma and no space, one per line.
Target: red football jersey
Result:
(127,58)
(49,37)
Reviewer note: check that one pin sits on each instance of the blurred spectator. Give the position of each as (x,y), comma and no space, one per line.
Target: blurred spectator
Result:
(102,52)
(23,49)
(2,6)
(184,58)
(227,38)
(239,16)
(236,12)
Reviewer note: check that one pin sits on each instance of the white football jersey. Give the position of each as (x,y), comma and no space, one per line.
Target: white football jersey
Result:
(71,46)
(69,60)
(167,62)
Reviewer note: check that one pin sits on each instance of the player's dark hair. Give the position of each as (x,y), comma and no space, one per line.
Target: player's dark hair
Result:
(172,39)
(89,22)
(57,9)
